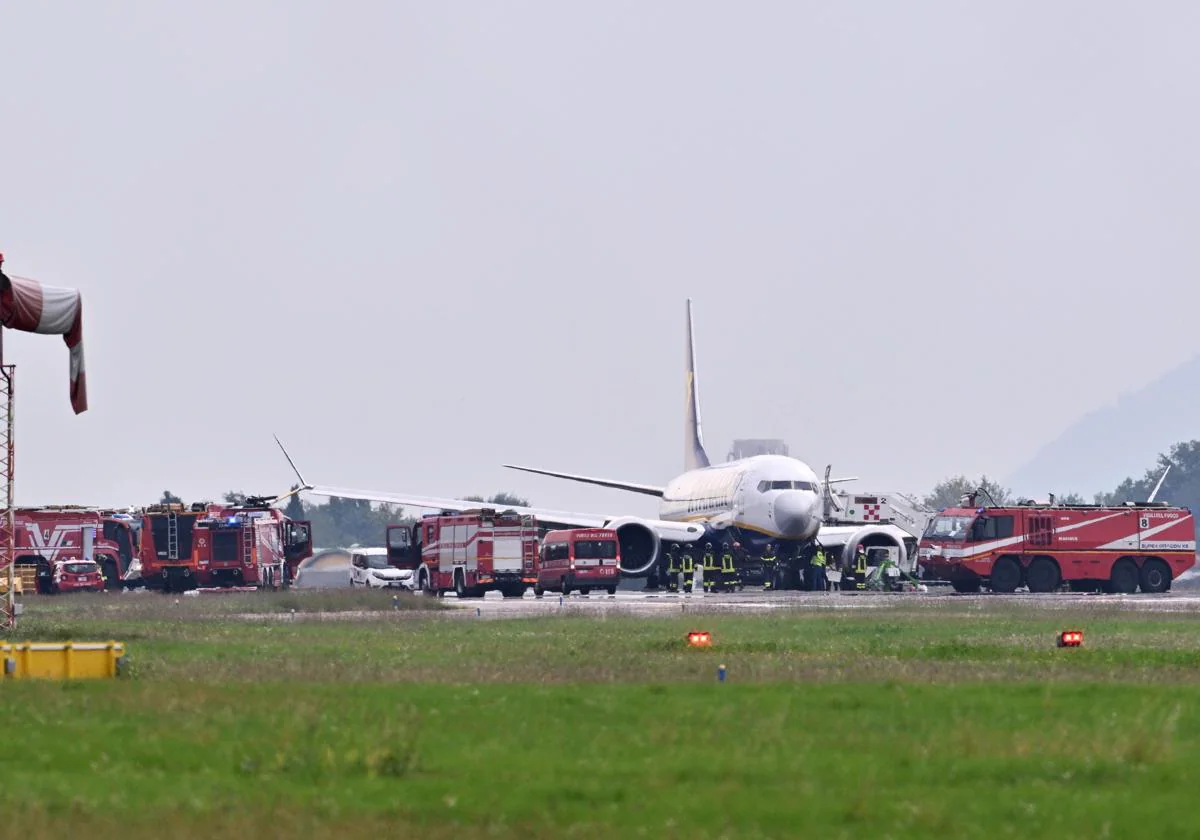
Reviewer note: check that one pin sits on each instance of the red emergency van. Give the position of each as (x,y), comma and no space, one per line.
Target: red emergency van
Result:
(579,558)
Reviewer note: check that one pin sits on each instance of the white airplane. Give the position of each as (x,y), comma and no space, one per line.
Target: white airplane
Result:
(757,500)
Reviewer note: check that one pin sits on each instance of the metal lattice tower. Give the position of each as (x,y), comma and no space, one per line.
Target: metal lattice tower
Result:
(8,532)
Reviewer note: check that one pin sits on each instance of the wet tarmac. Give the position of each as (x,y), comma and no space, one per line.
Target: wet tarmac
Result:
(494,605)
(751,601)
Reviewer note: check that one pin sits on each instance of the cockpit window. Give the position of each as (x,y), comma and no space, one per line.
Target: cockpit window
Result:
(764,486)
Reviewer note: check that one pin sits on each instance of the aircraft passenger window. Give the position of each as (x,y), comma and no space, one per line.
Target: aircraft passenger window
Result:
(763,486)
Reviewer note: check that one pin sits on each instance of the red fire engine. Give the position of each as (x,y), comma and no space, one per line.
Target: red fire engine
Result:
(578,558)
(468,552)
(1041,546)
(48,537)
(249,545)
(253,544)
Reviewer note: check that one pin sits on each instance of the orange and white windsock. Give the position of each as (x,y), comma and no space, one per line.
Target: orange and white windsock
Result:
(30,306)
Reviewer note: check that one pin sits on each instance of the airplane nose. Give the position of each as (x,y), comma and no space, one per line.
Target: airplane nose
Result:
(796,514)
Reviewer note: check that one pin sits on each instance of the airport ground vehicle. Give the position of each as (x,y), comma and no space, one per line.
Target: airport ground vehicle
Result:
(369,567)
(249,545)
(48,536)
(578,558)
(468,552)
(1042,546)
(76,576)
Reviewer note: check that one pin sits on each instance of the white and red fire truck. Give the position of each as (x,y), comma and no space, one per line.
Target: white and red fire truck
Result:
(468,553)
(1042,546)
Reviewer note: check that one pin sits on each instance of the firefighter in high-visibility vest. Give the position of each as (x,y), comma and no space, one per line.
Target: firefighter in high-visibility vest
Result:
(729,567)
(816,571)
(673,568)
(860,568)
(689,571)
(769,561)
(712,580)
(707,562)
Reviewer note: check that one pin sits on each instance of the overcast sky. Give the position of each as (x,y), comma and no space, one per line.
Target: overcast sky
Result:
(418,240)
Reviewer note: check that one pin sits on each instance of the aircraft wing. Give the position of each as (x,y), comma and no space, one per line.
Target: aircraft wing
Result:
(550,517)
(667,530)
(646,489)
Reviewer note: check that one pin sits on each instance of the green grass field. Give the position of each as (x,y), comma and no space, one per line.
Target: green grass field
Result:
(919,720)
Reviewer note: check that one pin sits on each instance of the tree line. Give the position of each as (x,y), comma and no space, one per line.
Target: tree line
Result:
(341,522)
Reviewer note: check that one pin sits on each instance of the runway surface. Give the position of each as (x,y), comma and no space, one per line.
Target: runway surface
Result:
(756,602)
(1186,599)
(750,602)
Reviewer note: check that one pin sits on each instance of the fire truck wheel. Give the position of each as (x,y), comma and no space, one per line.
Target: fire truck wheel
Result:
(1124,577)
(1156,576)
(513,592)
(1006,575)
(1043,575)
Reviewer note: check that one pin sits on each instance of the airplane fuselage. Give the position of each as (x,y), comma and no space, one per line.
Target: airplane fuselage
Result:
(769,495)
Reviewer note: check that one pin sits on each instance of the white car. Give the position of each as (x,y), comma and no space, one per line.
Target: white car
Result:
(369,567)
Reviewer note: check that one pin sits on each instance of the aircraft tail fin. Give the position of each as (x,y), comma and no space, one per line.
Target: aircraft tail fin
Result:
(694,456)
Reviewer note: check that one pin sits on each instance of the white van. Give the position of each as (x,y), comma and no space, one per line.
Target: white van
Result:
(369,567)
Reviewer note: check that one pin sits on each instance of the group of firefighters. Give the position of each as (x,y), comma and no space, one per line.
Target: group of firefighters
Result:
(724,574)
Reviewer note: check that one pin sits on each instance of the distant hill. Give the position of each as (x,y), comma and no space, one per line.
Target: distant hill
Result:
(1117,441)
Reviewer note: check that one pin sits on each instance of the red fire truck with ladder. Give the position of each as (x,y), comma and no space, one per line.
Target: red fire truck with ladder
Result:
(468,553)
(1118,548)
(254,544)
(246,546)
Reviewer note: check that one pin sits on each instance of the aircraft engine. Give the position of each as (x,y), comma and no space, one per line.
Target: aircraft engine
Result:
(639,543)
(873,536)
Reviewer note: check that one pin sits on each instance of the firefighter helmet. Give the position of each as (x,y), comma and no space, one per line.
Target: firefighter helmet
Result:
(708,545)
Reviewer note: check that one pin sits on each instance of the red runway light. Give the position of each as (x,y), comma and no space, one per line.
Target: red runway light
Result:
(699,638)
(1070,638)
